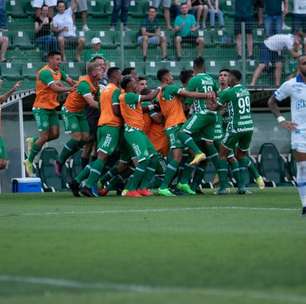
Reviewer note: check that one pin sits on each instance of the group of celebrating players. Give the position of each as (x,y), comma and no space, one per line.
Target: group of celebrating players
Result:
(137,129)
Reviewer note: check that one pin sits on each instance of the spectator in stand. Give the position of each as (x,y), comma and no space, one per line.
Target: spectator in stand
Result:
(214,10)
(38,4)
(166,7)
(122,7)
(244,13)
(95,50)
(259,7)
(186,31)
(150,34)
(43,36)
(64,27)
(199,8)
(270,52)
(4,41)
(82,9)
(274,16)
(299,18)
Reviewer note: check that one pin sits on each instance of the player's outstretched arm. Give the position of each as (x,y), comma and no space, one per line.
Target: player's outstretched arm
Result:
(6,95)
(149,96)
(90,101)
(289,125)
(209,95)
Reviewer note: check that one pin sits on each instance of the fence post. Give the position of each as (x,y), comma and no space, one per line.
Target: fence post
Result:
(21,132)
(243,52)
(122,33)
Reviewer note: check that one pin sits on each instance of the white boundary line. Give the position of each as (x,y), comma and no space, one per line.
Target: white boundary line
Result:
(65,283)
(152,210)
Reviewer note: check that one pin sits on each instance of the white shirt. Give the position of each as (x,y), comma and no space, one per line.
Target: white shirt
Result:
(279,42)
(294,88)
(299,6)
(65,19)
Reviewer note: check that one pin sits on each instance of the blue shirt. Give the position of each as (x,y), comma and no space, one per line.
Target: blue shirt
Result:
(185,22)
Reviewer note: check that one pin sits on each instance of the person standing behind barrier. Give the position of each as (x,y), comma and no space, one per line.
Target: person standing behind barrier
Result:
(150,34)
(244,13)
(43,36)
(273,18)
(122,7)
(295,89)
(270,52)
(299,18)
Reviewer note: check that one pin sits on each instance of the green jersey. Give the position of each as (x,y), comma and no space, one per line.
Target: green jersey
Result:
(202,83)
(238,103)
(219,127)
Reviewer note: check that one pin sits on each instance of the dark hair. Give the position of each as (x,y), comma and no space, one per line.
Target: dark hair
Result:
(236,74)
(184,3)
(185,75)
(161,73)
(111,71)
(152,7)
(53,53)
(44,5)
(224,70)
(199,62)
(125,82)
(127,71)
(60,1)
(141,78)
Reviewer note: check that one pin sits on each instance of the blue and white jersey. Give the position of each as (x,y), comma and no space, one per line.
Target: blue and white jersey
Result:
(294,88)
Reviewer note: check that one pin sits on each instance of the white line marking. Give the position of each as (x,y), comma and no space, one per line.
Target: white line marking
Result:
(152,210)
(65,283)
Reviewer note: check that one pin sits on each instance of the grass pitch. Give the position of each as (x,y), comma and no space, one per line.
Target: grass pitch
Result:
(190,249)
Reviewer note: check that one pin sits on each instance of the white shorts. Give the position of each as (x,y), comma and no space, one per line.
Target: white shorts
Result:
(39,3)
(298,140)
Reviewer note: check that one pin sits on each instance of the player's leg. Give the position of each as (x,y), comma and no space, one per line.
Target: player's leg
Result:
(108,141)
(150,170)
(173,162)
(137,140)
(193,126)
(300,158)
(42,118)
(186,174)
(229,142)
(244,141)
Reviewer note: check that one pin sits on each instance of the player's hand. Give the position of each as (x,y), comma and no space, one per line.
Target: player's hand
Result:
(289,125)
(211,95)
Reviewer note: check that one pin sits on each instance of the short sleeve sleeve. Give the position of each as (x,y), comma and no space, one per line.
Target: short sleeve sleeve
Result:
(283,91)
(46,77)
(83,88)
(115,97)
(64,75)
(132,98)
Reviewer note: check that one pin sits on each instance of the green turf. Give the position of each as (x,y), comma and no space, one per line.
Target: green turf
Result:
(190,249)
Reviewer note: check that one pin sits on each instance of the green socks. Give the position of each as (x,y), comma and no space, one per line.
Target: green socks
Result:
(252,168)
(149,174)
(83,174)
(170,173)
(96,168)
(244,174)
(34,151)
(236,172)
(222,172)
(69,149)
(188,141)
(137,176)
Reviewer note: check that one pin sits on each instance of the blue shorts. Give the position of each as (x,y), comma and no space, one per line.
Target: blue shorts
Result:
(266,55)
(153,40)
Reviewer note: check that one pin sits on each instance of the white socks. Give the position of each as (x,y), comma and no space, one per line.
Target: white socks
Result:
(301,180)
